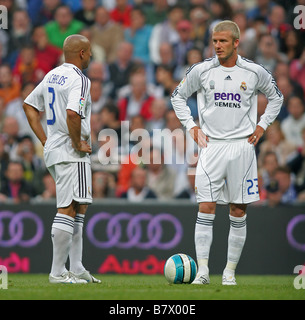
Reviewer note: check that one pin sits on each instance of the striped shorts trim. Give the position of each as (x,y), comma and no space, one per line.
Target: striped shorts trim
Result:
(73,182)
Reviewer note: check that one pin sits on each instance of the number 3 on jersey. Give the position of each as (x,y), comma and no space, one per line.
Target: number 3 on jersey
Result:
(51,104)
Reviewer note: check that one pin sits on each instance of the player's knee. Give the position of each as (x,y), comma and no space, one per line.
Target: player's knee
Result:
(207,207)
(238,210)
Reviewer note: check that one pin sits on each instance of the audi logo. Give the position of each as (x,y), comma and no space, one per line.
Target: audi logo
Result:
(289,232)
(12,230)
(138,226)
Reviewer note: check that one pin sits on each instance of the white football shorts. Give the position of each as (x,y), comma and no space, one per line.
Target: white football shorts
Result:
(73,182)
(227,173)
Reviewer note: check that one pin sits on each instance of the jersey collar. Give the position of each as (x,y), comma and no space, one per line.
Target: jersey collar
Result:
(71,65)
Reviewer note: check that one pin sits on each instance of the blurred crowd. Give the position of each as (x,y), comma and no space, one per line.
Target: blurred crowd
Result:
(141,51)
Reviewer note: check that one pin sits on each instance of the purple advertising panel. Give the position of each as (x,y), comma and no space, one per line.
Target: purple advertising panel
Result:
(128,238)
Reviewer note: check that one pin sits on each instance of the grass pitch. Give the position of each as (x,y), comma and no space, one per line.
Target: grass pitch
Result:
(140,287)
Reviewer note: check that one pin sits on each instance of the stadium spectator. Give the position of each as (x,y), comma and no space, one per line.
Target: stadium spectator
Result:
(281,72)
(167,58)
(138,190)
(273,194)
(261,9)
(297,70)
(268,167)
(103,185)
(44,51)
(96,71)
(261,105)
(247,40)
(261,189)
(138,100)
(151,88)
(15,109)
(184,44)
(96,125)
(288,89)
(98,97)
(188,191)
(20,32)
(292,125)
(98,52)
(268,53)
(264,21)
(133,151)
(199,18)
(220,10)
(49,188)
(139,35)
(158,111)
(106,33)
(165,32)
(10,130)
(4,38)
(277,25)
(130,139)
(10,88)
(87,12)
(110,119)
(4,160)
(165,79)
(122,13)
(33,166)
(28,68)
(157,12)
(107,157)
(120,69)
(297,166)
(161,179)
(63,26)
(41,12)
(275,141)
(15,189)
(285,181)
(292,45)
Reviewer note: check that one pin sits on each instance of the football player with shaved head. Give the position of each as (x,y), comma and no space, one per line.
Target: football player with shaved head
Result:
(64,95)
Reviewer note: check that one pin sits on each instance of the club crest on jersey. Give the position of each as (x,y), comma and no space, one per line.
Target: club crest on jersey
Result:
(81,105)
(243,86)
(182,81)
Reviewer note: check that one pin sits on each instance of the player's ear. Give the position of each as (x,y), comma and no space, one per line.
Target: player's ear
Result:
(236,43)
(81,53)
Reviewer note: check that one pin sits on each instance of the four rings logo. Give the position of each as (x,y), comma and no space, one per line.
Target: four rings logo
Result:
(14,233)
(143,230)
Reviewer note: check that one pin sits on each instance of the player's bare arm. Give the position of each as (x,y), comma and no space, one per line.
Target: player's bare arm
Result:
(199,137)
(33,117)
(74,126)
(256,135)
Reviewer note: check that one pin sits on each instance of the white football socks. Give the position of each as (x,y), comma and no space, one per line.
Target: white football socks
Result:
(203,240)
(61,233)
(236,241)
(76,250)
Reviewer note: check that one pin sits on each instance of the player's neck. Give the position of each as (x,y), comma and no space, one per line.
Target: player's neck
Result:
(229,62)
(76,63)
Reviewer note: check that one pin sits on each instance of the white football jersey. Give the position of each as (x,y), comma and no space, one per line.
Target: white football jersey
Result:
(227,98)
(64,87)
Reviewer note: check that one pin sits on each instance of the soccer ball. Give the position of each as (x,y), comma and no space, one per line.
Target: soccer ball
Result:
(180,268)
